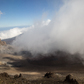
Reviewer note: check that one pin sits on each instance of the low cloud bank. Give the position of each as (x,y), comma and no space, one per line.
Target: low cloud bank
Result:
(12,33)
(17,31)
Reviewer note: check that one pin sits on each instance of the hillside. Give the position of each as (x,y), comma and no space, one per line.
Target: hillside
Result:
(2,42)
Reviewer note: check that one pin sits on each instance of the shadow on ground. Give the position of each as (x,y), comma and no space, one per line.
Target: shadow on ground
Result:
(48,62)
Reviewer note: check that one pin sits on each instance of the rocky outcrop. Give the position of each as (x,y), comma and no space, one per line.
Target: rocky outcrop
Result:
(2,42)
(70,79)
(49,75)
(5,48)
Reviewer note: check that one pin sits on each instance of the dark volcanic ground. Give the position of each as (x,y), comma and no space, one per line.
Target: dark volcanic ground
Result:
(48,62)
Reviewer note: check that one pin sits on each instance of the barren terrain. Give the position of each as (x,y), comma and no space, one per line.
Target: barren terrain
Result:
(33,69)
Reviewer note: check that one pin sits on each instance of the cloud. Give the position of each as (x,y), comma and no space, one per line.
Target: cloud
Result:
(65,31)
(12,32)
(17,31)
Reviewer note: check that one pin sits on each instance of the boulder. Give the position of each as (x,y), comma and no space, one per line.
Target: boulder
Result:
(70,79)
(4,74)
(48,75)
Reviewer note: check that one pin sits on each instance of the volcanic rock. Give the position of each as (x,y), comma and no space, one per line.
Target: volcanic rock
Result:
(69,79)
(2,42)
(48,75)
(4,74)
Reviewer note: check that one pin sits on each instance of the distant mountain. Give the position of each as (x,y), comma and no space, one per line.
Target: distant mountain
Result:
(10,40)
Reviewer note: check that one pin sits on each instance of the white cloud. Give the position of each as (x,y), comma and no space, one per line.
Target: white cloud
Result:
(64,32)
(12,33)
(46,22)
(17,31)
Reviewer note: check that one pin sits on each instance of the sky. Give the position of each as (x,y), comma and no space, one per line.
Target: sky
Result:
(15,13)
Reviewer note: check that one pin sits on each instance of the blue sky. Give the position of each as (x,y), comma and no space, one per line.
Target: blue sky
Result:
(25,12)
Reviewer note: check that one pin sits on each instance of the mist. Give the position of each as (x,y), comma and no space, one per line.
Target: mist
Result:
(65,32)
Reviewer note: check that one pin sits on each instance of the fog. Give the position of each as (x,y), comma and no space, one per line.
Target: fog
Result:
(65,32)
